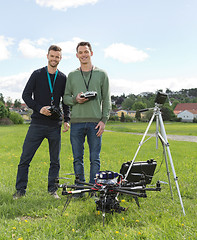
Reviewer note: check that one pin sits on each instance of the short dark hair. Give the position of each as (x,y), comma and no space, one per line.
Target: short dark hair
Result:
(84,44)
(54,48)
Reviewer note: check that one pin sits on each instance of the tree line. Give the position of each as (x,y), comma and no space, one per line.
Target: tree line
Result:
(147,100)
(129,102)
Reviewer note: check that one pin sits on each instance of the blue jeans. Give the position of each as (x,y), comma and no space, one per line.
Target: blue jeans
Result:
(34,138)
(77,137)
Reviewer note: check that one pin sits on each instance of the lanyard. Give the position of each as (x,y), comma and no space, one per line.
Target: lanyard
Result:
(50,84)
(86,84)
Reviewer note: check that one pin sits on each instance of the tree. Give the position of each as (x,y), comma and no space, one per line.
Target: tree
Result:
(3,110)
(127,104)
(9,102)
(2,98)
(138,105)
(17,103)
(122,118)
(174,104)
(138,115)
(167,113)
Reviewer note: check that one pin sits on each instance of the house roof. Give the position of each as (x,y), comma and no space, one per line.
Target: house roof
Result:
(191,111)
(180,107)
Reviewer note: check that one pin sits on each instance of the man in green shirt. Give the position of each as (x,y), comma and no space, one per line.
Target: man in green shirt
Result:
(88,115)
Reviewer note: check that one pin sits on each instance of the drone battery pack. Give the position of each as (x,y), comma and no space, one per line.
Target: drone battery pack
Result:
(138,168)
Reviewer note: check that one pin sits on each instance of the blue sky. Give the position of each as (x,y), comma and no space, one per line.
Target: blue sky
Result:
(143,45)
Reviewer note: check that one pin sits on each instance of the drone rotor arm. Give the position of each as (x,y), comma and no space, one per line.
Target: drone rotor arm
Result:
(131,193)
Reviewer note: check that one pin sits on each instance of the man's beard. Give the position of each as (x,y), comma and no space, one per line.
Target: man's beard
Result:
(53,64)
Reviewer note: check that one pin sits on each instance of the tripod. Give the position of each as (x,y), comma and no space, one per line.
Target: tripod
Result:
(163,138)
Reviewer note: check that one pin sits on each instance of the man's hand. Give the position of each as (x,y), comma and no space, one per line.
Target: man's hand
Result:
(45,111)
(101,127)
(80,99)
(66,127)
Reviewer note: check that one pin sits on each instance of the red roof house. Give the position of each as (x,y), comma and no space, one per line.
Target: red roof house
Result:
(180,107)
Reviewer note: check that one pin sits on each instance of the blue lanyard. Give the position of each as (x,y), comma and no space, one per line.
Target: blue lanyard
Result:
(50,84)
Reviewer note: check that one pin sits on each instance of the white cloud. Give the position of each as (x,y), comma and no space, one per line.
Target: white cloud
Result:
(14,83)
(125,53)
(38,48)
(29,48)
(120,86)
(69,47)
(64,4)
(4,44)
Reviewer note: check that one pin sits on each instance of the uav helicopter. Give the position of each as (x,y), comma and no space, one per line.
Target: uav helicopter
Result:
(109,185)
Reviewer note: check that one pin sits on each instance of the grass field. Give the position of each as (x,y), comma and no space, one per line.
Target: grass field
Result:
(39,216)
(173,128)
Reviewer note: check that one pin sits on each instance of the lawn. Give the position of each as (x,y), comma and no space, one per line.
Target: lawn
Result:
(39,216)
(173,128)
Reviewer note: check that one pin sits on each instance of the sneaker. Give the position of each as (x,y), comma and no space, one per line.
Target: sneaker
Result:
(55,195)
(18,195)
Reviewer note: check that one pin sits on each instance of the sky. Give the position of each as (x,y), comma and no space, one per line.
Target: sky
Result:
(143,45)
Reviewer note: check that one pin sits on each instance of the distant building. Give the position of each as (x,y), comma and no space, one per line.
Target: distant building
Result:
(129,113)
(186,111)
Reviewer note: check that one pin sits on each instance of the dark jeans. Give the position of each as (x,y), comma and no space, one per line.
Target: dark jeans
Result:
(34,138)
(77,136)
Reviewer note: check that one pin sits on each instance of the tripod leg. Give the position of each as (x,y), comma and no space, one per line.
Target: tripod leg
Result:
(168,172)
(140,144)
(163,133)
(157,130)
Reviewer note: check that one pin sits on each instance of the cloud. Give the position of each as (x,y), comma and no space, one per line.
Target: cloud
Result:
(69,47)
(14,83)
(38,48)
(5,42)
(120,86)
(29,48)
(64,4)
(125,53)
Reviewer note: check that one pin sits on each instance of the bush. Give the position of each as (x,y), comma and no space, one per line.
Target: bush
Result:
(195,120)
(5,121)
(114,118)
(16,118)
(128,118)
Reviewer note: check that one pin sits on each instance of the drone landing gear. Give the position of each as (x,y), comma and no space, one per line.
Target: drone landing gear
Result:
(108,204)
(69,197)
(137,201)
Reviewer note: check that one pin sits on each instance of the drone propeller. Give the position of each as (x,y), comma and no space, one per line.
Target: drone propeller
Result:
(69,174)
(163,182)
(72,174)
(63,178)
(59,178)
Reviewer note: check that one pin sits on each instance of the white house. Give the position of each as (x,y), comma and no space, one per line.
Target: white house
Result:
(187,116)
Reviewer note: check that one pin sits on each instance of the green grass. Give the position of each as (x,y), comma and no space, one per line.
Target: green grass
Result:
(39,216)
(139,127)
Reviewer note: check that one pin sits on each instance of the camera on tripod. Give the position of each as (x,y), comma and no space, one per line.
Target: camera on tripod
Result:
(160,97)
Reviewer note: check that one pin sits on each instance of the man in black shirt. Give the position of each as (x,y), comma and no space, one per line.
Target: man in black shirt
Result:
(42,94)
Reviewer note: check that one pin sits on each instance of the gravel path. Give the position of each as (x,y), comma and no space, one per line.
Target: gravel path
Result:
(170,137)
